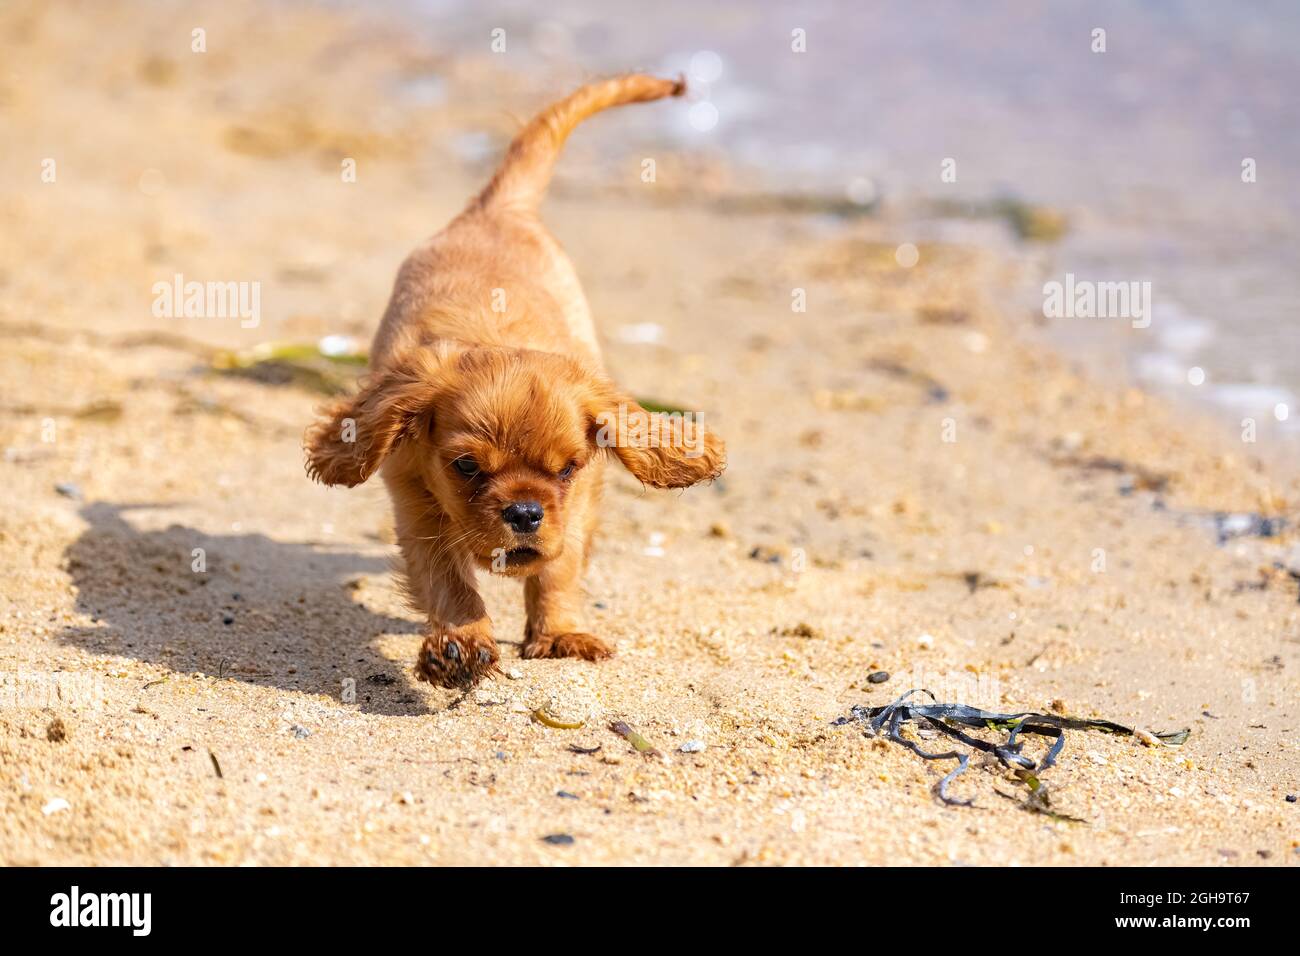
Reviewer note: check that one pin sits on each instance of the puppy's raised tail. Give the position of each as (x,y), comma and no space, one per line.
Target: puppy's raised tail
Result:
(521,180)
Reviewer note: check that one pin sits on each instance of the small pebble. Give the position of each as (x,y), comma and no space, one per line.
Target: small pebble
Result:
(877,677)
(802,629)
(692,747)
(558,839)
(69,490)
(925,640)
(515,674)
(565,795)
(227,619)
(1290,798)
(300,731)
(57,732)
(55,806)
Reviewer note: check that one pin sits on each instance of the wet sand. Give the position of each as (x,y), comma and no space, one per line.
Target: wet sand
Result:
(913,488)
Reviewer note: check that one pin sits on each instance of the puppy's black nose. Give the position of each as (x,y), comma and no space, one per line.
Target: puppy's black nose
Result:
(524,516)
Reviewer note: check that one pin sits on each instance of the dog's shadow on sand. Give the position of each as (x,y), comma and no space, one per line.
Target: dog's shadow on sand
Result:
(239,606)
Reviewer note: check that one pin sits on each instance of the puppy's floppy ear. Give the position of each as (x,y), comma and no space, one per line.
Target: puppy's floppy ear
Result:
(662,449)
(354,434)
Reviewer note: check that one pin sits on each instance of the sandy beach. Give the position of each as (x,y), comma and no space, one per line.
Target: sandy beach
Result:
(204,659)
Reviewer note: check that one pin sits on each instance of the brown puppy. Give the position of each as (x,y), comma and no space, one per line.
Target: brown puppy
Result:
(488,413)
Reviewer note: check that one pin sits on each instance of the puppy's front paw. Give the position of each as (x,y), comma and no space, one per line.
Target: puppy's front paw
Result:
(576,644)
(457,657)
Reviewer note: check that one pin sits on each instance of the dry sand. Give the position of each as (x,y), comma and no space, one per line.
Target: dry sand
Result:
(225,166)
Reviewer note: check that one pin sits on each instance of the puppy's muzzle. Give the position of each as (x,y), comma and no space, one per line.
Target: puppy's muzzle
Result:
(523,517)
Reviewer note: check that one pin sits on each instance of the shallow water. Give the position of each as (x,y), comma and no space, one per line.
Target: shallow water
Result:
(1142,144)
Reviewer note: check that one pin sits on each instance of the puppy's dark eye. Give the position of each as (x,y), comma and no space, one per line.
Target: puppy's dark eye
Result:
(467,466)
(567,471)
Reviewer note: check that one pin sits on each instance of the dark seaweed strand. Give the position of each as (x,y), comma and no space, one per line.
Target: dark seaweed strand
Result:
(943,717)
(1006,754)
(896,713)
(897,716)
(1011,737)
(1049,758)
(941,788)
(899,713)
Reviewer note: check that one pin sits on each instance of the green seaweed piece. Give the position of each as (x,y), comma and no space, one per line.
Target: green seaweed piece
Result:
(639,743)
(543,717)
(305,365)
(650,405)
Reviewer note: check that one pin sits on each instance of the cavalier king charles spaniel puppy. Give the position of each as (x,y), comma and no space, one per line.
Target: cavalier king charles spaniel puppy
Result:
(488,415)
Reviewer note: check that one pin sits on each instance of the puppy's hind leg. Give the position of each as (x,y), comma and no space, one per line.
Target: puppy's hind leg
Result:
(553,599)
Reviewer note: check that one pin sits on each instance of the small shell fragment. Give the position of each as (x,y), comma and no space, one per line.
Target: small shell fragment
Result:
(1148,738)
